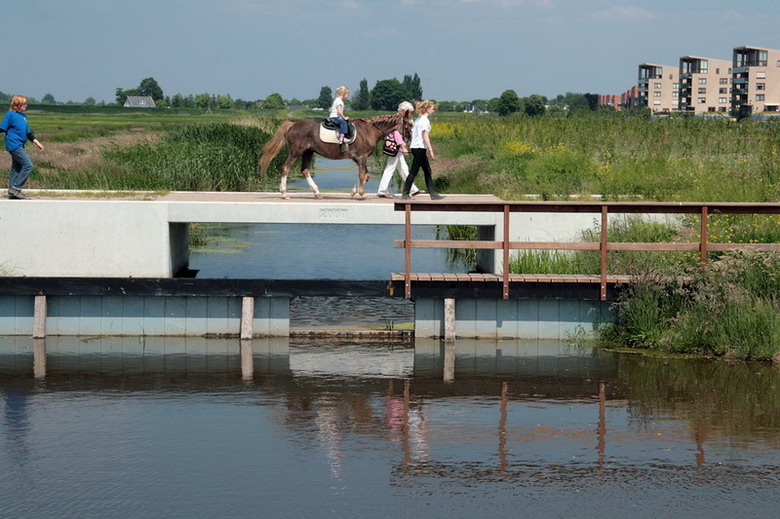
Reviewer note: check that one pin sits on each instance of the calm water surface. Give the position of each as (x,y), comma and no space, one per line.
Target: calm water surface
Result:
(213,428)
(290,251)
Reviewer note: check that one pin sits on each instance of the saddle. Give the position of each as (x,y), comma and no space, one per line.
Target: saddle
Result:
(329,132)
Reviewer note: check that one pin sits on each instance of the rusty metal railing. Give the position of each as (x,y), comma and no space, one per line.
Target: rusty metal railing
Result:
(703,246)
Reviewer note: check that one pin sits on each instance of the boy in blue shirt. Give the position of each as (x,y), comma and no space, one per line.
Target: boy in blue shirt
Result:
(17,133)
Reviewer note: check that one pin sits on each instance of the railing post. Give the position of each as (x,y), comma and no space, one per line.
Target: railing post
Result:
(603,248)
(506,252)
(408,252)
(704,235)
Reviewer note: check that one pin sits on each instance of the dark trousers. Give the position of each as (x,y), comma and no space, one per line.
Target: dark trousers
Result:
(419,160)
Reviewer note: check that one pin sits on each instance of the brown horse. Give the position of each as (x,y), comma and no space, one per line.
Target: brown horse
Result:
(304,141)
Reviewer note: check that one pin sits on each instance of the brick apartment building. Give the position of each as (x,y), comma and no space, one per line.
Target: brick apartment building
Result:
(705,85)
(755,81)
(748,84)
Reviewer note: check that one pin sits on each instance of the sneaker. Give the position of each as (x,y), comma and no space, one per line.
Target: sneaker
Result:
(436,196)
(385,195)
(16,194)
(406,196)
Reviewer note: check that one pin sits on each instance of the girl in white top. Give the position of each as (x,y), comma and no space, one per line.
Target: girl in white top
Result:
(421,147)
(399,161)
(337,112)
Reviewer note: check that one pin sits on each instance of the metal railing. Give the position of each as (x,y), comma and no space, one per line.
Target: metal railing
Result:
(703,246)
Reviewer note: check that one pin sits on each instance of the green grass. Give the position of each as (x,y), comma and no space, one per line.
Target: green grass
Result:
(730,307)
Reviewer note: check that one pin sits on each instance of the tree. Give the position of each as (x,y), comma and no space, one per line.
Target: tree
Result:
(48,99)
(203,101)
(413,86)
(326,98)
(388,94)
(534,105)
(149,87)
(90,101)
(273,102)
(508,103)
(224,102)
(362,99)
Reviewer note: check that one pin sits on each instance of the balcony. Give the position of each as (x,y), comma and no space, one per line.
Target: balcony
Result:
(739,81)
(739,70)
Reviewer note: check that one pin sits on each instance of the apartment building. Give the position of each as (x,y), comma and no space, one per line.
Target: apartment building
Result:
(705,85)
(658,87)
(755,81)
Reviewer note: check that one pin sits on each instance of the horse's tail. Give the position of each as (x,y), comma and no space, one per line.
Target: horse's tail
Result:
(273,147)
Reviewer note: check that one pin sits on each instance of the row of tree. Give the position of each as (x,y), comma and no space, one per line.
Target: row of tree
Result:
(385,96)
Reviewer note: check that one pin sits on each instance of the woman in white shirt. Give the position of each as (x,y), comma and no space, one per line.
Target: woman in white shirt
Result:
(399,161)
(421,147)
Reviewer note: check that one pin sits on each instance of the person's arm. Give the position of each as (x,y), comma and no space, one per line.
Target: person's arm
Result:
(398,138)
(31,138)
(340,109)
(427,141)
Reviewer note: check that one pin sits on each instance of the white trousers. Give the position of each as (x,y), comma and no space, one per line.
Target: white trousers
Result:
(398,162)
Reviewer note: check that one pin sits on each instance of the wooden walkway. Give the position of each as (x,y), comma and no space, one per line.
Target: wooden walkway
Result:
(513,278)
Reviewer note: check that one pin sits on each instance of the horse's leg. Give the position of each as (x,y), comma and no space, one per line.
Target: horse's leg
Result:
(305,164)
(363,176)
(283,176)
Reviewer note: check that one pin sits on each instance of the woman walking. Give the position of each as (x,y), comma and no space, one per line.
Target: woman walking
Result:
(398,162)
(421,147)
(17,133)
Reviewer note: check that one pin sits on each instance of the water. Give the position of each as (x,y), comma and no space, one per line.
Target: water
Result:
(289,251)
(197,428)
(203,428)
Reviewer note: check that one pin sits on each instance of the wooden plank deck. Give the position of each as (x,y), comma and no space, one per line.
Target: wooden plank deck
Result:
(513,278)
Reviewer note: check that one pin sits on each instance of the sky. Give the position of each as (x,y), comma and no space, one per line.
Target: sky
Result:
(461,49)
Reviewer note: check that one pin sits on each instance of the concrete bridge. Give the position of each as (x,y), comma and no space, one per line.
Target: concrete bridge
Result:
(100,263)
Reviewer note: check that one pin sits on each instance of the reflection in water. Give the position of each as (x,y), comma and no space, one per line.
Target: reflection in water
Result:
(204,426)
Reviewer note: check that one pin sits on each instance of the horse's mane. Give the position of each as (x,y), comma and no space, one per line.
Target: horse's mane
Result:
(385,118)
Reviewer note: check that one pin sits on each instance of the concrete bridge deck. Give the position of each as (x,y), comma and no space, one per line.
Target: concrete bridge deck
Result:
(145,234)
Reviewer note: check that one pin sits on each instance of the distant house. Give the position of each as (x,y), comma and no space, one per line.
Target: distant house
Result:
(139,102)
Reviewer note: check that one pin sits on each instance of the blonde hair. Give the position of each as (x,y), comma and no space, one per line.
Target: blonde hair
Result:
(340,91)
(423,106)
(17,102)
(405,106)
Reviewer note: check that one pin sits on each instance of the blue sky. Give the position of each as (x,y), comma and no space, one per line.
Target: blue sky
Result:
(462,49)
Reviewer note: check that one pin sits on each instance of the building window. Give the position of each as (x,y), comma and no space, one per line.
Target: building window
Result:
(702,80)
(762,58)
(717,70)
(656,94)
(701,100)
(656,85)
(702,91)
(656,102)
(723,90)
(675,95)
(723,81)
(760,86)
(760,75)
(759,97)
(723,100)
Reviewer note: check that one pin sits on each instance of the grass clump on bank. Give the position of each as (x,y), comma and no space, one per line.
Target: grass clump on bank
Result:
(200,157)
(730,307)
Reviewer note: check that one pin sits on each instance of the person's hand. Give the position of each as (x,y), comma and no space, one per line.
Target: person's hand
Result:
(433,155)
(40,146)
